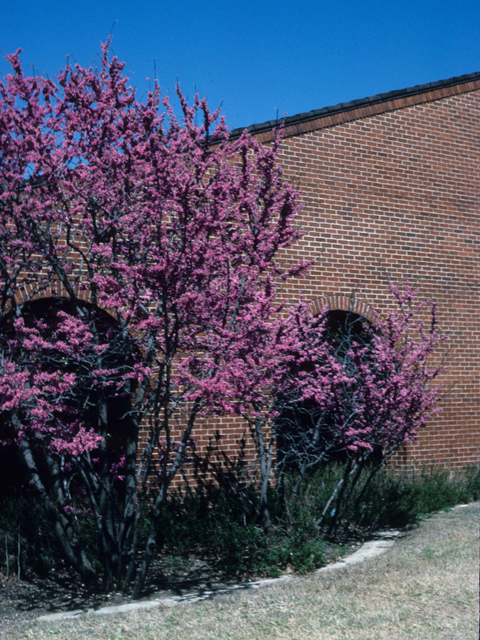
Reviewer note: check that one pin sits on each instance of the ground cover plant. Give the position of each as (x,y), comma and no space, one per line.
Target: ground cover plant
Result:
(140,290)
(224,525)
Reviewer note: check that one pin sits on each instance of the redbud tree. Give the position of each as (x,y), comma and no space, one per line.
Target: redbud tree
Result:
(350,392)
(381,385)
(135,248)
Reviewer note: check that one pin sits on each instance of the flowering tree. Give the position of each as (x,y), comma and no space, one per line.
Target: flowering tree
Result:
(382,388)
(154,242)
(351,392)
(294,365)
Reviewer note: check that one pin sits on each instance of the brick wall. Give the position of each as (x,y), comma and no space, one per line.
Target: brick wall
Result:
(394,189)
(391,186)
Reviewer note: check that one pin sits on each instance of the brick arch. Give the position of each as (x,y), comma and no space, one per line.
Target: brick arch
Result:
(342,302)
(55,289)
(26,294)
(12,472)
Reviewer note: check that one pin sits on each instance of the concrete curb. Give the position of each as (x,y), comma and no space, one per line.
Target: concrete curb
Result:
(384,541)
(173,601)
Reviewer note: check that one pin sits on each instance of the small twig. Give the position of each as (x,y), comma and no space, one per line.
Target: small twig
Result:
(8,566)
(18,560)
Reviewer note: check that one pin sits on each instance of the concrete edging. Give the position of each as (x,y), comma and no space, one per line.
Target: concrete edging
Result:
(384,541)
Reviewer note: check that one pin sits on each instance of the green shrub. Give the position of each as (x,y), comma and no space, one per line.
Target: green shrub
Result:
(23,519)
(392,500)
(472,481)
(222,526)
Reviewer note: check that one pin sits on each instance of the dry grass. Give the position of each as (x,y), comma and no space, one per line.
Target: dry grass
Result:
(425,587)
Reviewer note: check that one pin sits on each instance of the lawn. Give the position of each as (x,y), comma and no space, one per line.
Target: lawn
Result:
(425,587)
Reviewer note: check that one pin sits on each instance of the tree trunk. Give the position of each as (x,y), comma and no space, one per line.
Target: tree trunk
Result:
(61,525)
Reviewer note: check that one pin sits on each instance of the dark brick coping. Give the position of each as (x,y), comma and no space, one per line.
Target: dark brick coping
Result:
(356,109)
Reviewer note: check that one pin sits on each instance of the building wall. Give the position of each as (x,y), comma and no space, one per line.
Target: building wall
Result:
(397,193)
(391,191)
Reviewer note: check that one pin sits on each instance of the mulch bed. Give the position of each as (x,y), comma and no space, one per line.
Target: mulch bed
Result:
(61,590)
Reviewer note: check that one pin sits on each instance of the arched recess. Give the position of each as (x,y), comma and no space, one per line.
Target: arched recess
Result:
(111,421)
(28,293)
(306,433)
(345,314)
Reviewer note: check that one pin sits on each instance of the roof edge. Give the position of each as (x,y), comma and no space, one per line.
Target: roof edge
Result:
(355,104)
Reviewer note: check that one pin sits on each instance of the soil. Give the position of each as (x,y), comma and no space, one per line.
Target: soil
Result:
(60,589)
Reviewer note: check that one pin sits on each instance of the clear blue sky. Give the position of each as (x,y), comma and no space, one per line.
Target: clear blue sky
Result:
(254,56)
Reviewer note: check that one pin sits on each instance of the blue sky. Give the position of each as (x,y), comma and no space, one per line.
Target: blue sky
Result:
(254,57)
